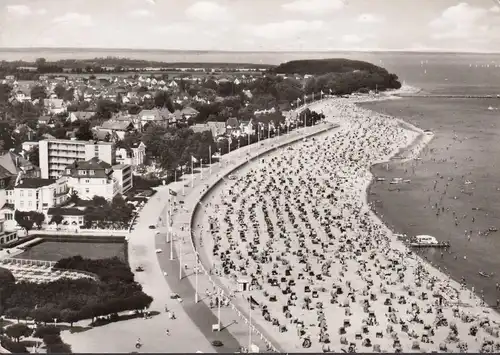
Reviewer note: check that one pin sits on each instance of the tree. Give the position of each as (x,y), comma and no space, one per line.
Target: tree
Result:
(57,219)
(21,218)
(43,330)
(38,218)
(18,331)
(59,348)
(34,156)
(84,133)
(38,92)
(74,197)
(60,90)
(99,201)
(163,99)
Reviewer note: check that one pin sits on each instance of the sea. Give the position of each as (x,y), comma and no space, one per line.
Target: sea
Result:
(458,173)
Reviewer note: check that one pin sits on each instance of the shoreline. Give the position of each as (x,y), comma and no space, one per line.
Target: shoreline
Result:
(422,140)
(367,180)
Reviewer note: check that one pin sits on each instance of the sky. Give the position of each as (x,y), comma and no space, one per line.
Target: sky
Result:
(253,25)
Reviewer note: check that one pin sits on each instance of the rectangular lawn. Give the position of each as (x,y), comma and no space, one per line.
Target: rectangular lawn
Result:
(53,251)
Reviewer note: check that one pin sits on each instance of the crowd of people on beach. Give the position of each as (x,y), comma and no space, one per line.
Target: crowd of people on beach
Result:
(324,274)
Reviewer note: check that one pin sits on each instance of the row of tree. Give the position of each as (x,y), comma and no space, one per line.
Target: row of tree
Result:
(72,300)
(50,334)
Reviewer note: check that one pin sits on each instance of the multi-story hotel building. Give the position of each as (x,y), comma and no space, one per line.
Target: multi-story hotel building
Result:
(56,154)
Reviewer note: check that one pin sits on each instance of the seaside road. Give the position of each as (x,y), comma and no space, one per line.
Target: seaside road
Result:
(199,312)
(185,336)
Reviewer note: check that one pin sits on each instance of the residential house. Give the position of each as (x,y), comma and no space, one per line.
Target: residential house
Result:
(189,112)
(54,106)
(134,156)
(29,146)
(22,95)
(200,128)
(232,126)
(217,128)
(36,194)
(16,164)
(72,217)
(120,128)
(247,127)
(46,120)
(156,116)
(80,115)
(91,178)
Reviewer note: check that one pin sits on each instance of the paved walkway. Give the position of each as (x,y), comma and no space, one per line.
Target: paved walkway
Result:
(185,336)
(232,316)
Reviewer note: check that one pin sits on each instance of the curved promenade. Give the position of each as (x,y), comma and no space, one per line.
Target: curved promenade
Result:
(205,280)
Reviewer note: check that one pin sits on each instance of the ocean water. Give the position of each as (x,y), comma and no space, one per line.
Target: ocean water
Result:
(466,148)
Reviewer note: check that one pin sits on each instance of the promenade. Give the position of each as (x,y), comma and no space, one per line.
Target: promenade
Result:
(234,320)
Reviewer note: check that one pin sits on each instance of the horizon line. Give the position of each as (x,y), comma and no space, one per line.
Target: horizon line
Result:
(358,50)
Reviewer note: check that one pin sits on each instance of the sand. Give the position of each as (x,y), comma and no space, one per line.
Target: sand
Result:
(326,274)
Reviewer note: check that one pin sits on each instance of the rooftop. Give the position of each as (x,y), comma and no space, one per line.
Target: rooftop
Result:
(34,183)
(70,141)
(70,211)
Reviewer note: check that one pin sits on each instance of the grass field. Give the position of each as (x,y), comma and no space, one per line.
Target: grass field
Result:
(53,251)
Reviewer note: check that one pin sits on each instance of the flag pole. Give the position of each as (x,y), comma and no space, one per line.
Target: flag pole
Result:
(210,158)
(192,171)
(219,294)
(201,168)
(250,325)
(183,185)
(196,280)
(180,258)
(168,225)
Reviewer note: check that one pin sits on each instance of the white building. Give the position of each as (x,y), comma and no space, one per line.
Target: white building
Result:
(123,174)
(95,177)
(135,156)
(34,194)
(56,154)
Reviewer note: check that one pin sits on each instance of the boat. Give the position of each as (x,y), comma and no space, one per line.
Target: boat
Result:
(427,241)
(493,229)
(484,274)
(407,181)
(396,180)
(380,179)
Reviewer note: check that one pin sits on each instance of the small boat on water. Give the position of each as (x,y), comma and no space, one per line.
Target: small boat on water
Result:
(380,179)
(407,181)
(396,181)
(485,274)
(427,241)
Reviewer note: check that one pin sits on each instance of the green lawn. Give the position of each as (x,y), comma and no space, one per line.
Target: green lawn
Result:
(53,251)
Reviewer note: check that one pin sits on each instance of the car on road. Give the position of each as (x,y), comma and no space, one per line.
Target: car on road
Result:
(152,227)
(158,251)
(217,343)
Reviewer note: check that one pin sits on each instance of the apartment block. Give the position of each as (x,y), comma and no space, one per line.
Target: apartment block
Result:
(57,154)
(123,175)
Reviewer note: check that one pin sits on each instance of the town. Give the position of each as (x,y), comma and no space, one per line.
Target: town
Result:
(69,140)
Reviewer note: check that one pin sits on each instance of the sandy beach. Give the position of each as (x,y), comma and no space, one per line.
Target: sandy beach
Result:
(324,273)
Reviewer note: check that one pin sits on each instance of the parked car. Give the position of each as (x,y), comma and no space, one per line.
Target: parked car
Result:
(152,227)
(217,343)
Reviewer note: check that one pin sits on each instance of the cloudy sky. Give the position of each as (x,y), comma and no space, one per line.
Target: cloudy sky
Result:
(249,25)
